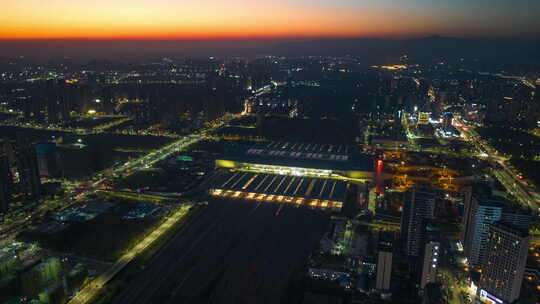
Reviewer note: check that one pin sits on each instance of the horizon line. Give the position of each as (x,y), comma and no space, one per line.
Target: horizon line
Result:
(263,38)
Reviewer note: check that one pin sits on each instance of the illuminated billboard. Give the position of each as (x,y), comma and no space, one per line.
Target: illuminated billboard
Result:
(486,297)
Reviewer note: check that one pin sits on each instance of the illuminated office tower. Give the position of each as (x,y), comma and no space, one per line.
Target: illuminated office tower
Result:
(487,212)
(504,267)
(483,212)
(417,212)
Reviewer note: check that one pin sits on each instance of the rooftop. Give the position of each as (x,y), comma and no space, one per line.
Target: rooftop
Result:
(509,228)
(292,186)
(302,155)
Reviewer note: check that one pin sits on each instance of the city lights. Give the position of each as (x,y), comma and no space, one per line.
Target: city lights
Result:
(238,151)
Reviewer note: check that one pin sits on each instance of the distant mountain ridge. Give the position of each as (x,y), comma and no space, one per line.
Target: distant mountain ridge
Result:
(427,48)
(372,49)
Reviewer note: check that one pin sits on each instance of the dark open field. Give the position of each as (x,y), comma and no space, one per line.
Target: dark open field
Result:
(105,237)
(328,131)
(235,252)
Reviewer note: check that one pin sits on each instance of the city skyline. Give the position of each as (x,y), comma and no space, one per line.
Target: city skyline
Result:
(282,19)
(290,166)
(280,151)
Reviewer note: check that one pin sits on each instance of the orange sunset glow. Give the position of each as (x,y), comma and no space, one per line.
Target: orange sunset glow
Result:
(27,19)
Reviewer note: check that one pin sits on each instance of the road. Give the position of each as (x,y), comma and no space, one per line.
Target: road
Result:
(146,161)
(90,290)
(87,293)
(504,174)
(151,158)
(236,252)
(85,131)
(8,231)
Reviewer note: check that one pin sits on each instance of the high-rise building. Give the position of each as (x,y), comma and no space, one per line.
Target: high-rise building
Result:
(56,101)
(27,168)
(518,218)
(107,100)
(468,207)
(29,173)
(486,213)
(430,262)
(384,264)
(6,181)
(47,159)
(384,270)
(502,274)
(417,212)
(423,118)
(482,212)
(8,149)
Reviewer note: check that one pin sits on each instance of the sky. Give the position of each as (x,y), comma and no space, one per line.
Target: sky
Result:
(193,19)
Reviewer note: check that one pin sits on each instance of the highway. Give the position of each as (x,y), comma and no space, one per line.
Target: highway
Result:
(162,153)
(504,174)
(85,131)
(500,169)
(236,252)
(11,229)
(90,290)
(146,161)
(87,293)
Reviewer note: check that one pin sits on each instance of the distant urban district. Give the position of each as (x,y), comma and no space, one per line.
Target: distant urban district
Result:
(269,180)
